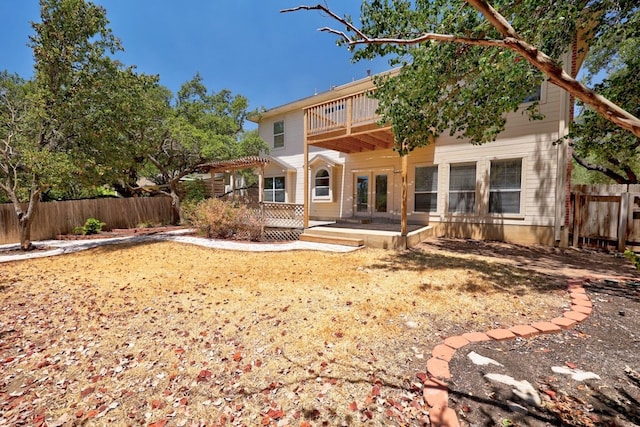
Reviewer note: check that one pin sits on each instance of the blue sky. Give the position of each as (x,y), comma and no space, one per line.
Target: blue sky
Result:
(245,46)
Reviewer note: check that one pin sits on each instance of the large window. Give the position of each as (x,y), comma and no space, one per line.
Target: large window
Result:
(462,188)
(505,186)
(278,134)
(322,184)
(274,189)
(426,189)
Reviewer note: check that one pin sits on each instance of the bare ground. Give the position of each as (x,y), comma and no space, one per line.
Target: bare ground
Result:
(168,333)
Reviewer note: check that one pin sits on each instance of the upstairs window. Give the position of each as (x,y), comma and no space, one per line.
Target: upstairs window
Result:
(535,96)
(278,134)
(505,186)
(426,189)
(462,188)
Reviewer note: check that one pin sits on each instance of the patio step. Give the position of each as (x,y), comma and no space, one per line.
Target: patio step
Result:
(333,240)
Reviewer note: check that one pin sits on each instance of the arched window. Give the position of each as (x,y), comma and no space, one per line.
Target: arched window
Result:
(322,184)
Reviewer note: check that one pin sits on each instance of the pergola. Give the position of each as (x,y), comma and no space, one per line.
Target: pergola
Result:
(230,166)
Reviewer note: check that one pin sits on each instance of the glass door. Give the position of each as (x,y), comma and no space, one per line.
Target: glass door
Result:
(362,194)
(380,193)
(372,196)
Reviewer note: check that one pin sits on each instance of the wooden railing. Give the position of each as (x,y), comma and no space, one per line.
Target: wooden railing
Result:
(343,113)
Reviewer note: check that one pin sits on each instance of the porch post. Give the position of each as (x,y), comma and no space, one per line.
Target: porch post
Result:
(403,209)
(261,197)
(305,205)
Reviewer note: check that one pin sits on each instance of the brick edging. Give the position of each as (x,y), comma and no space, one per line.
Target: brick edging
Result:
(435,389)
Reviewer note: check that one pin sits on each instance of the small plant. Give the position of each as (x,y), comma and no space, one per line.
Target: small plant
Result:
(633,257)
(225,220)
(93,226)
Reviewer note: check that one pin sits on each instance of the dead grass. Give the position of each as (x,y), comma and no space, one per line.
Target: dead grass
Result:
(140,334)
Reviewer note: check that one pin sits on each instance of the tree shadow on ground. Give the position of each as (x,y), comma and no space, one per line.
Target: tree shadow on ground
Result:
(501,277)
(537,257)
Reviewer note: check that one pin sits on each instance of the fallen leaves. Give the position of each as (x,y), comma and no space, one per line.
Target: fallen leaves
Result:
(133,336)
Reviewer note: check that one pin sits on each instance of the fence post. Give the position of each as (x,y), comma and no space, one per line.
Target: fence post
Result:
(577,201)
(623,220)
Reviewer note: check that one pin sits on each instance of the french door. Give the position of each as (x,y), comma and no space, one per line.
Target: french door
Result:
(372,193)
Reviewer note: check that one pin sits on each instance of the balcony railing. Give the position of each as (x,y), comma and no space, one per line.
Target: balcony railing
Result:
(342,114)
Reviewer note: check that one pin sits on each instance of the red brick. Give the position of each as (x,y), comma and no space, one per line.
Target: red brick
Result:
(524,331)
(546,327)
(500,334)
(563,322)
(574,315)
(575,282)
(582,309)
(436,393)
(456,342)
(443,417)
(582,302)
(577,296)
(438,368)
(443,351)
(476,336)
(577,290)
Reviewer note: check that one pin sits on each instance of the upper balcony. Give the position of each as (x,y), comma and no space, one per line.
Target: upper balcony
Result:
(348,124)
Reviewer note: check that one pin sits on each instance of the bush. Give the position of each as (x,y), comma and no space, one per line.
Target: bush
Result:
(633,257)
(92,226)
(217,219)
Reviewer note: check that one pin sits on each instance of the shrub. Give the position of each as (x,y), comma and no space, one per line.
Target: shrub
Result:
(217,219)
(93,226)
(633,257)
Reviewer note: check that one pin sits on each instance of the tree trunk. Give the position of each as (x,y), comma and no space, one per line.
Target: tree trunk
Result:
(24,223)
(177,217)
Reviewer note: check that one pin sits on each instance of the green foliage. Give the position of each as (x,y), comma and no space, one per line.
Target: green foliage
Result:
(598,144)
(217,219)
(92,226)
(463,88)
(633,257)
(195,191)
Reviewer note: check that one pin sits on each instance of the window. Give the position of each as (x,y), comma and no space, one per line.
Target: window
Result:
(505,186)
(278,134)
(274,189)
(535,96)
(322,184)
(462,188)
(426,189)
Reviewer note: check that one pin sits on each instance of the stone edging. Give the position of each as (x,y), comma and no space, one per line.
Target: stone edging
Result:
(436,391)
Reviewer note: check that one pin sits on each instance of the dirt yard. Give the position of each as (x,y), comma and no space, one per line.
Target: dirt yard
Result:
(174,334)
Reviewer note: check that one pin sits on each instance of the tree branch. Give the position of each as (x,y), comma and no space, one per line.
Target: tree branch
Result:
(598,168)
(512,41)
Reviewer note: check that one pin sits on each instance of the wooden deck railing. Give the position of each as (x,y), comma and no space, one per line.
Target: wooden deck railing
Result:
(343,113)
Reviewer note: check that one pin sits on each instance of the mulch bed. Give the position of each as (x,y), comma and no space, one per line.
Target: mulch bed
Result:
(606,344)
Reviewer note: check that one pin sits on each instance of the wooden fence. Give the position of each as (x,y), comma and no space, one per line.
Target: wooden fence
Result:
(55,218)
(606,215)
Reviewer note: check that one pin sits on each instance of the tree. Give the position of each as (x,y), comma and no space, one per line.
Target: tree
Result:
(599,145)
(68,124)
(472,57)
(202,127)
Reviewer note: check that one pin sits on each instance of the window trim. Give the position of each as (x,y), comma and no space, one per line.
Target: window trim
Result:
(519,190)
(329,187)
(416,192)
(474,210)
(279,134)
(274,190)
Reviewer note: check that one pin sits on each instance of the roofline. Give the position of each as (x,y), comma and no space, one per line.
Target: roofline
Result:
(335,92)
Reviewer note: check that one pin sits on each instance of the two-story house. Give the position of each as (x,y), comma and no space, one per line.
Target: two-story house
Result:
(329,153)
